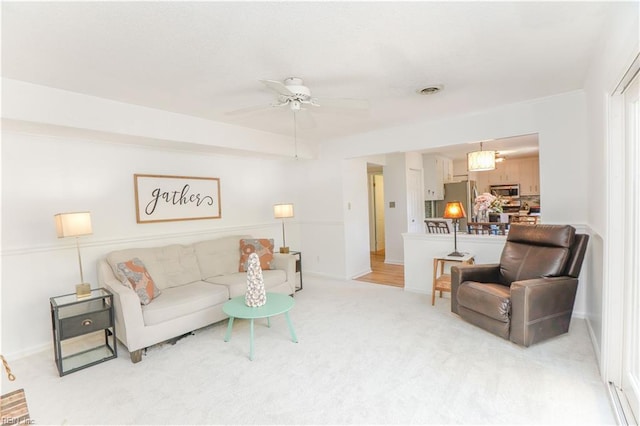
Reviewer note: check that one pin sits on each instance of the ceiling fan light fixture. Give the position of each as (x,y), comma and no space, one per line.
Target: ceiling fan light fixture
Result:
(479,161)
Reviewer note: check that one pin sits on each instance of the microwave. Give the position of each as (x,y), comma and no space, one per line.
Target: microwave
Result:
(506,191)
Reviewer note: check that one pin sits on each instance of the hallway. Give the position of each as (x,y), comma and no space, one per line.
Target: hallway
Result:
(383,273)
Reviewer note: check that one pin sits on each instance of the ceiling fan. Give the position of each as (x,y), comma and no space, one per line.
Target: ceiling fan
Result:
(293,93)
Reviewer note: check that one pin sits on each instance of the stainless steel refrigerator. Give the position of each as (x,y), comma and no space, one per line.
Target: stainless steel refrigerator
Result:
(466,193)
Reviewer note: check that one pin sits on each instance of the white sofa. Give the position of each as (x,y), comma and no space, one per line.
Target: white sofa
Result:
(195,281)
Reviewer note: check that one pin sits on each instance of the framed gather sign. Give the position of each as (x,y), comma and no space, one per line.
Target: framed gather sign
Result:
(162,198)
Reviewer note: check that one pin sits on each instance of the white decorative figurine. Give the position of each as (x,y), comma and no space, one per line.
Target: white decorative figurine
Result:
(256,295)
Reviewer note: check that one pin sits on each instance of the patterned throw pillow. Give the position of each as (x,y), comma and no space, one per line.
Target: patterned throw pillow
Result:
(135,276)
(262,247)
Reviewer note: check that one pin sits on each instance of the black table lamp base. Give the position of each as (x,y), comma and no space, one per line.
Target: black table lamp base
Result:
(455,252)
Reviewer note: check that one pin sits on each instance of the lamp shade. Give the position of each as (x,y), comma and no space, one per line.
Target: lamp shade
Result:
(454,210)
(282,211)
(73,224)
(478,161)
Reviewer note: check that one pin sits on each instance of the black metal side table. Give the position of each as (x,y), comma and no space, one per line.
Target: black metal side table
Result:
(298,256)
(77,324)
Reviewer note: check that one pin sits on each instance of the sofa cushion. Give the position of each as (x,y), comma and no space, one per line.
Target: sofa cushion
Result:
(170,266)
(219,256)
(135,276)
(175,302)
(492,300)
(263,247)
(237,282)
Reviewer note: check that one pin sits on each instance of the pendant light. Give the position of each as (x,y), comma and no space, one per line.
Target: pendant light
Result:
(479,161)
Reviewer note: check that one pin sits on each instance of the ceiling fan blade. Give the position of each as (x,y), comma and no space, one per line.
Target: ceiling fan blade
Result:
(342,103)
(277,87)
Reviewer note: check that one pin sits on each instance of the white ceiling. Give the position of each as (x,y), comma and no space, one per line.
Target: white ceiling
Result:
(205,58)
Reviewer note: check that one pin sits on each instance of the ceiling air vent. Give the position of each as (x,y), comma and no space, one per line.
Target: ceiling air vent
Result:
(431,90)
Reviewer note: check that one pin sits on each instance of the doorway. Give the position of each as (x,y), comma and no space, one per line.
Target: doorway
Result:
(630,383)
(381,272)
(376,208)
(621,349)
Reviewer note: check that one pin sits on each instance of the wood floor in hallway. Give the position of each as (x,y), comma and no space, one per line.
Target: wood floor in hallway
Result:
(383,273)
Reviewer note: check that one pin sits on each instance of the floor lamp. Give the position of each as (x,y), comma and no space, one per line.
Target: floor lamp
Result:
(283,211)
(454,210)
(75,225)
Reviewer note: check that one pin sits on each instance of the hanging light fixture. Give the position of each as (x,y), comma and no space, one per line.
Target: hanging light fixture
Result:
(478,161)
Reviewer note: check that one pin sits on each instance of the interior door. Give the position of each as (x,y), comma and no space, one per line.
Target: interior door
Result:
(378,193)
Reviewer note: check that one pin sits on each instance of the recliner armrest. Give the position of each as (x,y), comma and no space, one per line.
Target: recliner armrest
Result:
(541,308)
(488,273)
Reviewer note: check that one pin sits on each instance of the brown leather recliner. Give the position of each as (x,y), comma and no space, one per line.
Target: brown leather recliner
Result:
(528,297)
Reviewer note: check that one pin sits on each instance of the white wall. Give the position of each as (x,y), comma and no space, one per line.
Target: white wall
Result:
(355,207)
(317,191)
(42,176)
(415,215)
(395,218)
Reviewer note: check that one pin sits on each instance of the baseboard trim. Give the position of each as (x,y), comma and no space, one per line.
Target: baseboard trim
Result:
(30,351)
(323,275)
(362,273)
(594,341)
(417,290)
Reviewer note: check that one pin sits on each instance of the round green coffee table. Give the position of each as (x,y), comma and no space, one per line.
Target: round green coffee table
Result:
(276,304)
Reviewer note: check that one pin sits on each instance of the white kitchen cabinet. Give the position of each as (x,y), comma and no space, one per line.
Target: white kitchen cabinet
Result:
(506,173)
(494,176)
(510,172)
(438,170)
(530,176)
(523,171)
(447,169)
(482,181)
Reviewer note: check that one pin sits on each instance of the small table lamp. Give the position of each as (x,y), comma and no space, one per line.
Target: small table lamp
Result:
(454,210)
(283,211)
(75,225)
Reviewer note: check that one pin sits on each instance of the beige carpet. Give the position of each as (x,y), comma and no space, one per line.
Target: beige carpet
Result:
(368,354)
